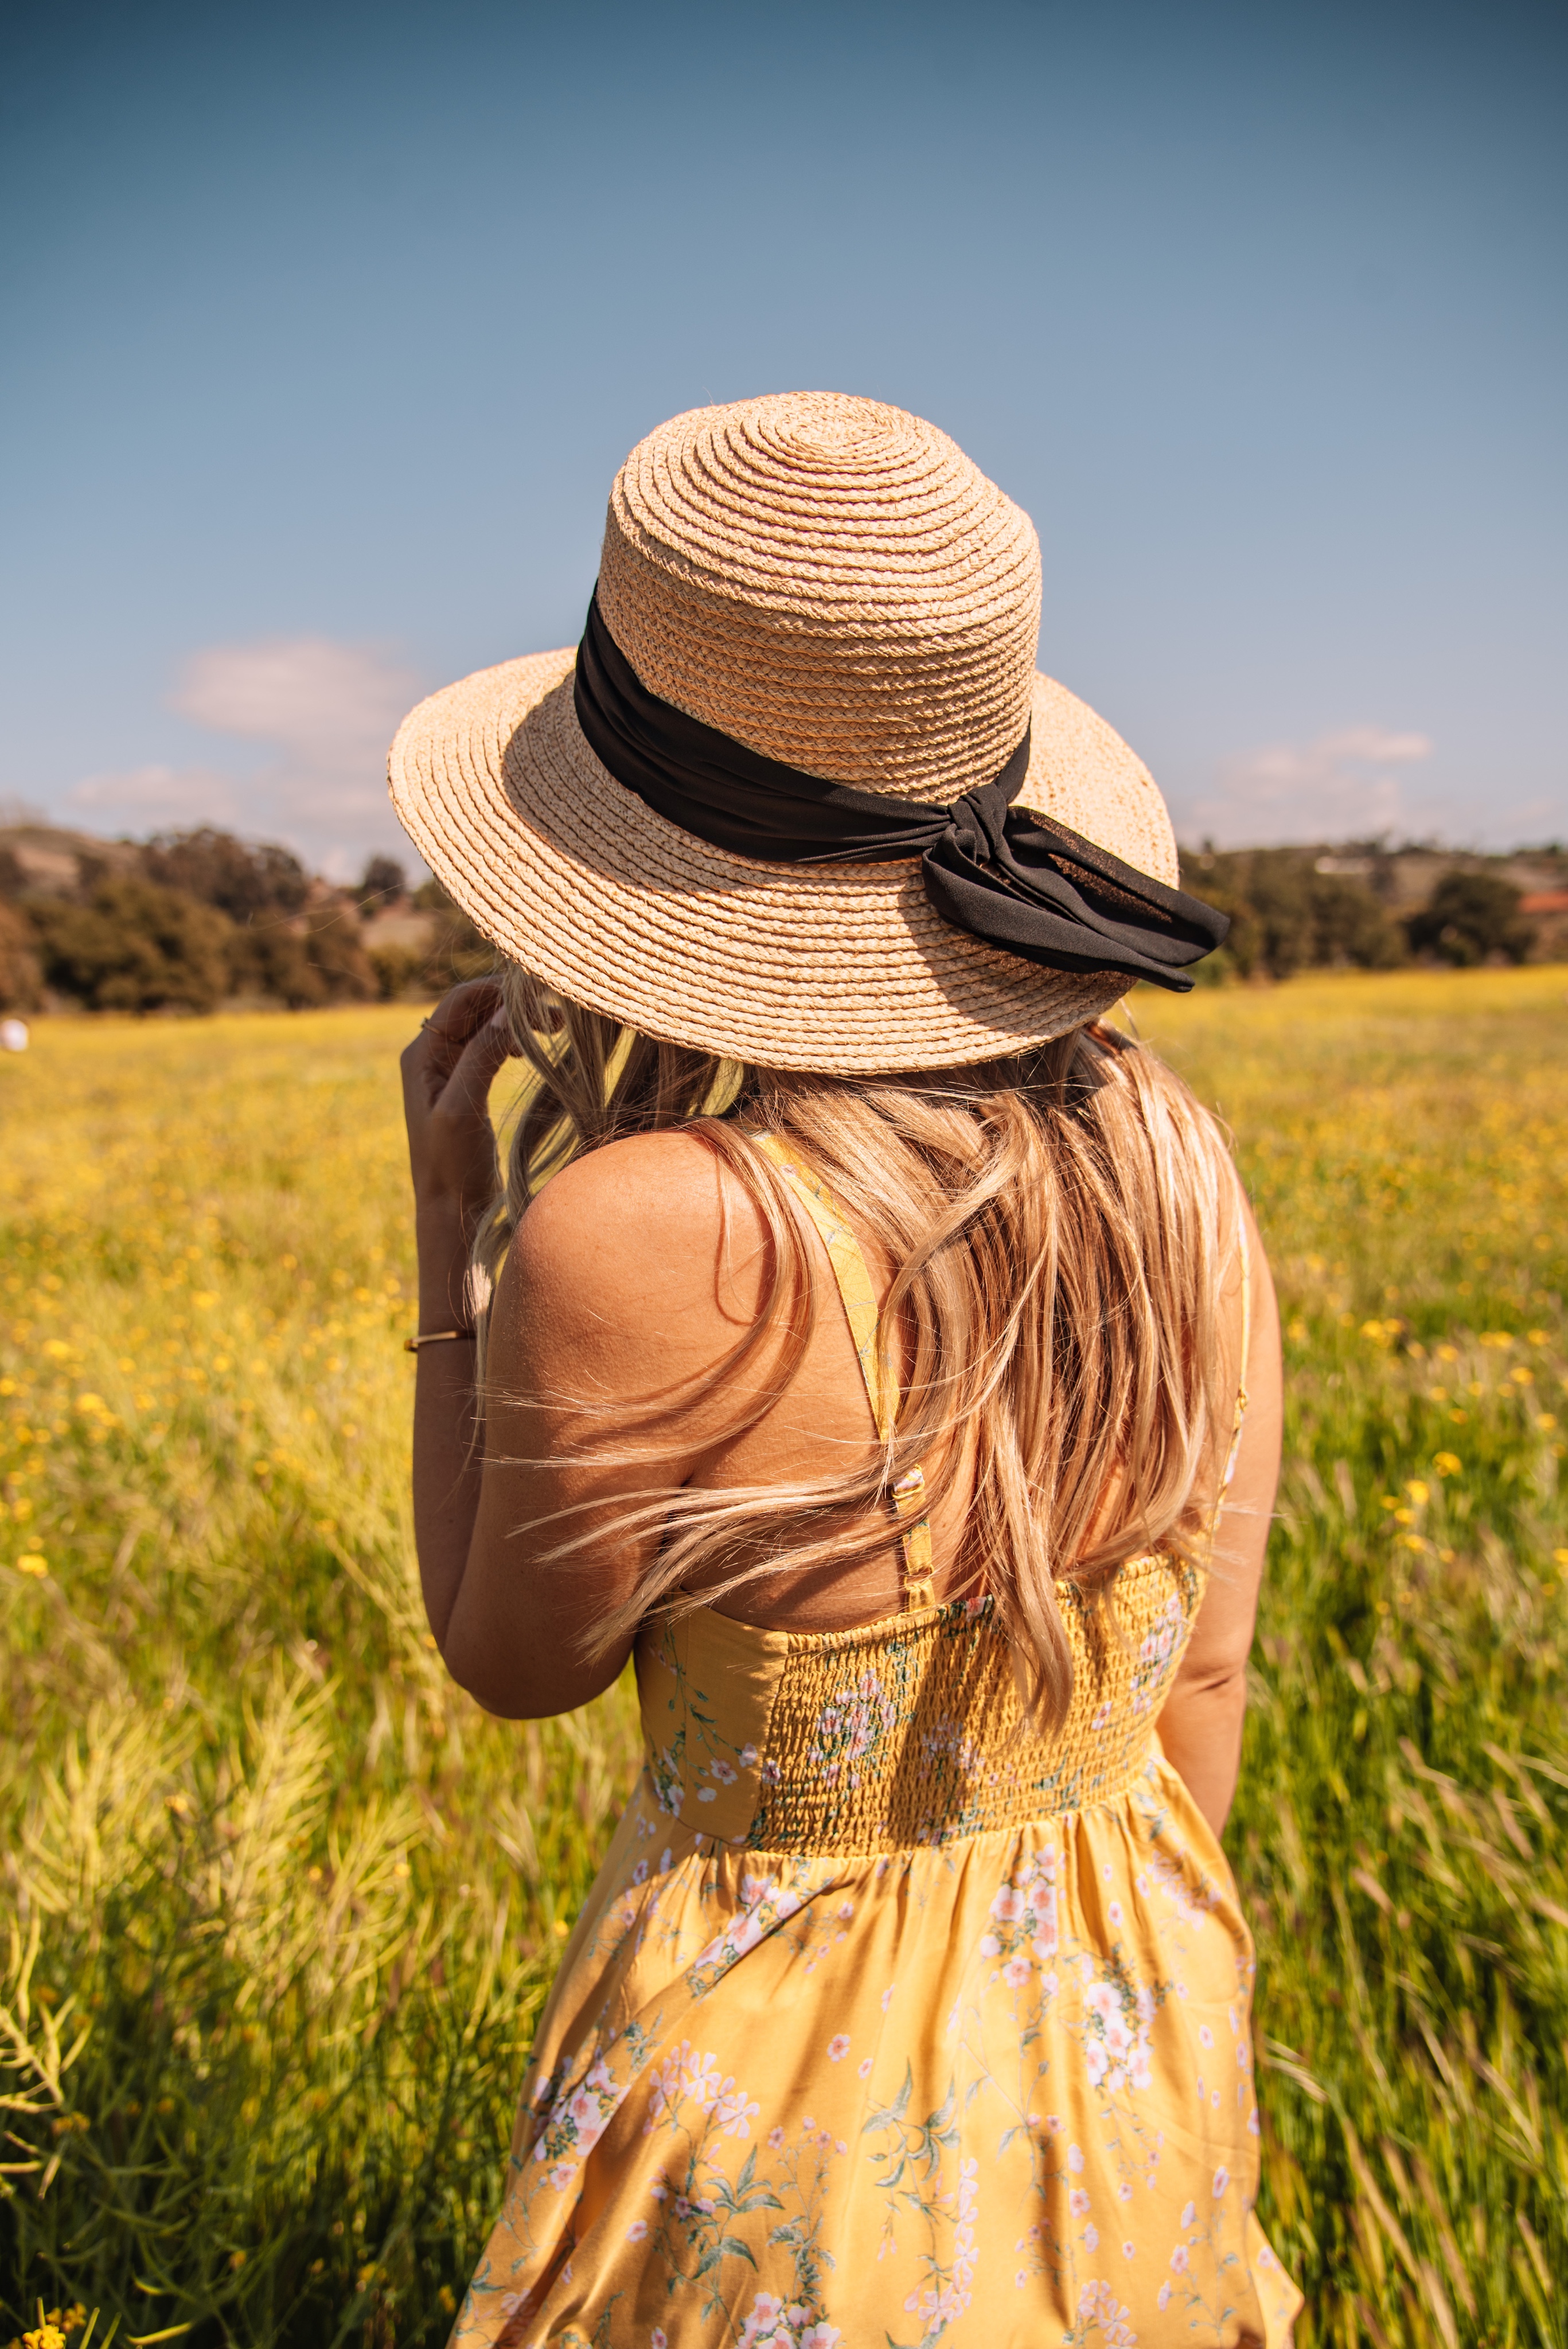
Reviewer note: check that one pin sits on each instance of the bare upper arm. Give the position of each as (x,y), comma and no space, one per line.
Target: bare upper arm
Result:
(631,1277)
(1221,1637)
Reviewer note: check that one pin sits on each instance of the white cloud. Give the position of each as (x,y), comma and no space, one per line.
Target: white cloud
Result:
(329,710)
(331,706)
(326,712)
(155,798)
(1344,785)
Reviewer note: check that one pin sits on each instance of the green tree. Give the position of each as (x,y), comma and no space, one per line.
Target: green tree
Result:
(1286,915)
(399,970)
(272,956)
(1472,917)
(461,949)
(336,949)
(244,879)
(134,946)
(20,978)
(1352,926)
(382,882)
(315,958)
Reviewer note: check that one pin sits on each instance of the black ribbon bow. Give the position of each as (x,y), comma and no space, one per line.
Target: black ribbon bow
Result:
(1021,881)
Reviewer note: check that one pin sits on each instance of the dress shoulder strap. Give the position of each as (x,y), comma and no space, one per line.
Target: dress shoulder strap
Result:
(850,1271)
(853,1276)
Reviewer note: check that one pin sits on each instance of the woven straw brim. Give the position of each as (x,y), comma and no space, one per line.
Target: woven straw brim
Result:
(845,968)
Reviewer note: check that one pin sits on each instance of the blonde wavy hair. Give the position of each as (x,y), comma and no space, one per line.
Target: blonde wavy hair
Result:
(1060,1227)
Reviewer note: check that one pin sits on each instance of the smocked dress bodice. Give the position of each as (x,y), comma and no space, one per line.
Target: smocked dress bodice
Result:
(906,1733)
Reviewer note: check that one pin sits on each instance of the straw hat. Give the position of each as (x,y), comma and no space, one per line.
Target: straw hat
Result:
(831,583)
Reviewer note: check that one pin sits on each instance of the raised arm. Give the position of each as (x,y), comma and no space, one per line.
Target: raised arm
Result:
(626,1282)
(447,1072)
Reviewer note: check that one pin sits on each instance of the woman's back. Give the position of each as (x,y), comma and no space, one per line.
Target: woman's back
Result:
(888,2013)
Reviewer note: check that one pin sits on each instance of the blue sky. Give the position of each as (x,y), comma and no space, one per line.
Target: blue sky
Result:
(325,329)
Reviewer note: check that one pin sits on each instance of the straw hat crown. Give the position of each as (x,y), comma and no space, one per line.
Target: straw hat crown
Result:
(831,582)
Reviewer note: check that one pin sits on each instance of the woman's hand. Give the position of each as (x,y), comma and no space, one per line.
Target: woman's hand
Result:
(448,1071)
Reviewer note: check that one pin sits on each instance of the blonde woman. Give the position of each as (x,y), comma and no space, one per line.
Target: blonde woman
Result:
(880,1355)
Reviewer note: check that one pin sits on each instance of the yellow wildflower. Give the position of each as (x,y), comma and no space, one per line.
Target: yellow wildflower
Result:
(33,1562)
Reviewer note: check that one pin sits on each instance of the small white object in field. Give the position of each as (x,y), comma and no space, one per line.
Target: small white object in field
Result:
(12,1035)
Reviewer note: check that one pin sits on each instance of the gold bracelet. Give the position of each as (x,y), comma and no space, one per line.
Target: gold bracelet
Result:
(434,1338)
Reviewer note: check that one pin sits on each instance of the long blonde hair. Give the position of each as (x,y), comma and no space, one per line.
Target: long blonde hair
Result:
(1059,1227)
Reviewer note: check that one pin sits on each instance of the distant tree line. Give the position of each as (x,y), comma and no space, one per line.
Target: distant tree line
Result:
(188,920)
(1295,909)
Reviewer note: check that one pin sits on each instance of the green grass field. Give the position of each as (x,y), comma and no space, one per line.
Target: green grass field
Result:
(280,1905)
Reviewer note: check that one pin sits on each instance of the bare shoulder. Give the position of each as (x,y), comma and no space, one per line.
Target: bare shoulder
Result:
(623,1250)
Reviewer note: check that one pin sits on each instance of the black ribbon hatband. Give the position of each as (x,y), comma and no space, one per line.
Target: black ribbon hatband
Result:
(1019,880)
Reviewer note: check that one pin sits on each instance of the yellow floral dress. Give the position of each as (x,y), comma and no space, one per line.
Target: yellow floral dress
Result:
(883,2025)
